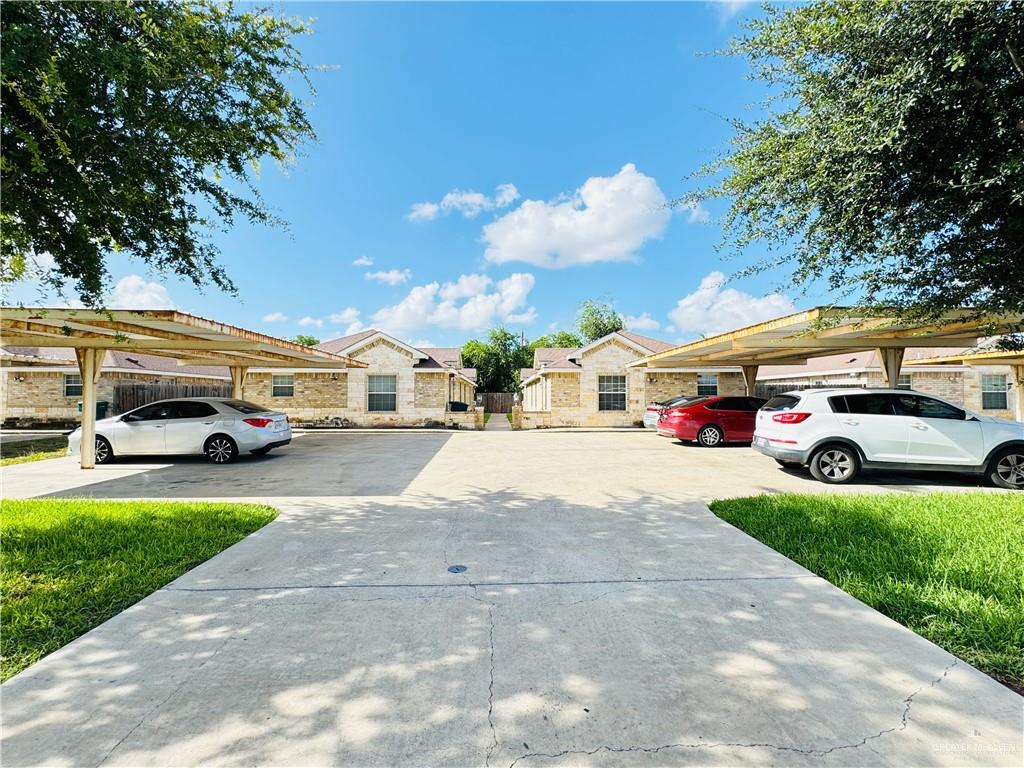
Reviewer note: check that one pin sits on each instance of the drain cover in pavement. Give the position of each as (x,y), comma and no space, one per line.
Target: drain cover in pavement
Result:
(456,569)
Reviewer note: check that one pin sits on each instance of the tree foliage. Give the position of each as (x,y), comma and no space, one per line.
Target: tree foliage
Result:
(567,339)
(306,340)
(137,127)
(596,319)
(891,160)
(498,360)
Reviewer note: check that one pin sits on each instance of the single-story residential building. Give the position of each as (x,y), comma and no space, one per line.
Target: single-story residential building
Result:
(590,386)
(41,386)
(982,388)
(403,385)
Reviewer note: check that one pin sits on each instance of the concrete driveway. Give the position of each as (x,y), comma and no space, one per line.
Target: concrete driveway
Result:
(604,617)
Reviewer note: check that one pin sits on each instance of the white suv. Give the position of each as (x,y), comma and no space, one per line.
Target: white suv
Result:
(838,432)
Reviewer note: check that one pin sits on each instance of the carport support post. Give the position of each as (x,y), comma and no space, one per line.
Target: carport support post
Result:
(89,368)
(1018,377)
(892,361)
(237,380)
(750,378)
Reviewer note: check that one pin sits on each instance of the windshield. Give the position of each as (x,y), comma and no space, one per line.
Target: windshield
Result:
(245,406)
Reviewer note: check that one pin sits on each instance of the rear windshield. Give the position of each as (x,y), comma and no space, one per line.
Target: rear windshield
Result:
(244,406)
(781,403)
(690,401)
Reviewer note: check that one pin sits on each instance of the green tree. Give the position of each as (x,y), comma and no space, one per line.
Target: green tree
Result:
(558,339)
(890,160)
(597,319)
(138,127)
(498,360)
(309,341)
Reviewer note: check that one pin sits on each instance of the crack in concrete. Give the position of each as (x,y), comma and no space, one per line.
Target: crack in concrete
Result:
(904,721)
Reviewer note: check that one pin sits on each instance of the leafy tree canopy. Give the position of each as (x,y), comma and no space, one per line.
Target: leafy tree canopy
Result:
(498,360)
(136,127)
(566,339)
(891,160)
(309,341)
(596,319)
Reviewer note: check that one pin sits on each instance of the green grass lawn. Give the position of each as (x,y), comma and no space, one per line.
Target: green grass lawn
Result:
(487,417)
(68,565)
(949,566)
(33,450)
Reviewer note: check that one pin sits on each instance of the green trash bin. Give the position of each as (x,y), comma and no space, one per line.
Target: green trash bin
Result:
(101,408)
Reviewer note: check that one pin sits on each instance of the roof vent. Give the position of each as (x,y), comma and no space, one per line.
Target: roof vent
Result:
(133,360)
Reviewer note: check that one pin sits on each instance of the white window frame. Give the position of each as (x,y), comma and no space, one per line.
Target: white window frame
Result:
(709,384)
(393,393)
(608,388)
(70,382)
(905,381)
(994,384)
(282,385)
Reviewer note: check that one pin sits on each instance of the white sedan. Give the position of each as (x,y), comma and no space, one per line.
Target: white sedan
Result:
(219,427)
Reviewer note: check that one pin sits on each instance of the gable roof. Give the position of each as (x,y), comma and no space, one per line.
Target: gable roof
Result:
(121,360)
(554,357)
(848,362)
(655,345)
(427,358)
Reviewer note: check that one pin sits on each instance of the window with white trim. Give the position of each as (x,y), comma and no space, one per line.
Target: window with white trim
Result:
(282,385)
(993,392)
(707,384)
(72,385)
(381,393)
(904,381)
(611,393)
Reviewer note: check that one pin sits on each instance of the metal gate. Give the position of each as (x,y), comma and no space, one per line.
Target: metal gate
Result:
(130,395)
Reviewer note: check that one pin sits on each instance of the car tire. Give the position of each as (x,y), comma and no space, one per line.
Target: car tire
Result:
(835,464)
(261,451)
(710,436)
(221,449)
(1006,470)
(104,453)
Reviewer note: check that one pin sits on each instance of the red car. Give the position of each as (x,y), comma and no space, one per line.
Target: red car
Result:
(712,421)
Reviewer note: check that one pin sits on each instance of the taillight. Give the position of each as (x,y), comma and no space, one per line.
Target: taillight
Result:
(791,417)
(258,421)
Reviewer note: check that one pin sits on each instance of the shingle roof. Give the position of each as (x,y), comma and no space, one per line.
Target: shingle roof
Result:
(344,342)
(851,361)
(123,359)
(655,345)
(554,357)
(437,358)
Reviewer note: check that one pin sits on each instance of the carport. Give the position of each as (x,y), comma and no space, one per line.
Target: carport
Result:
(1013,359)
(822,331)
(189,339)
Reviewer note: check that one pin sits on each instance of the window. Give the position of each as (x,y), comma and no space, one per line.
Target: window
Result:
(192,409)
(728,404)
(611,393)
(783,403)
(382,393)
(707,384)
(993,392)
(72,385)
(154,412)
(282,385)
(904,381)
(870,405)
(244,406)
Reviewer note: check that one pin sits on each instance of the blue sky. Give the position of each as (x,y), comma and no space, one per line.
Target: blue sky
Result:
(481,164)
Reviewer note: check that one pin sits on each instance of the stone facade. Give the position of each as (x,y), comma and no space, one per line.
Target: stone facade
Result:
(571,398)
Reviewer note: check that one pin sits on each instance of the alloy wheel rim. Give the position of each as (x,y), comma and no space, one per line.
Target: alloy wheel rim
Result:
(710,436)
(1011,469)
(220,451)
(835,464)
(101,451)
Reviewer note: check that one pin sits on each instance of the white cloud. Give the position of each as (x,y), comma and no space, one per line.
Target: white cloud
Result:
(468,203)
(713,309)
(133,292)
(607,219)
(470,303)
(390,276)
(308,321)
(363,261)
(275,317)
(696,213)
(729,8)
(642,322)
(354,327)
(347,315)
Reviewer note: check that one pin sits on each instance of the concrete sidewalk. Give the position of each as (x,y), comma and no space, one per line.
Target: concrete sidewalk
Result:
(604,617)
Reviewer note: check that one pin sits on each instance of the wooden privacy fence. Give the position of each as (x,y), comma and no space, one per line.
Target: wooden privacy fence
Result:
(497,402)
(129,395)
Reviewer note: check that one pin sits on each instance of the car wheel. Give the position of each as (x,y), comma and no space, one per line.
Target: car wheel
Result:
(261,451)
(1007,469)
(104,453)
(221,449)
(835,464)
(709,436)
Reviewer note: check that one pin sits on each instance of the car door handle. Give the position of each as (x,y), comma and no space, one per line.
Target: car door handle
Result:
(851,422)
(158,426)
(207,422)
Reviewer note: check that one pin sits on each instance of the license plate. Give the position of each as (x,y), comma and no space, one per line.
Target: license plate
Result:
(279,426)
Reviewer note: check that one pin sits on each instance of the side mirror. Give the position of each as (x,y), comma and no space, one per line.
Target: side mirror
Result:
(130,417)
